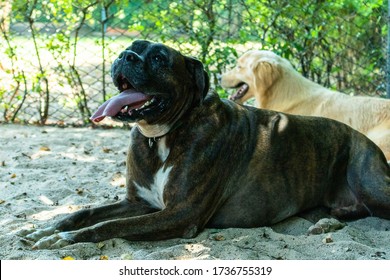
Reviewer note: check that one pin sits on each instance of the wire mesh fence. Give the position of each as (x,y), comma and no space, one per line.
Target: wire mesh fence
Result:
(55,56)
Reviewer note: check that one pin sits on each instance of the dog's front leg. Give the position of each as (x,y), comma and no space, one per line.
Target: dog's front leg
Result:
(167,223)
(89,217)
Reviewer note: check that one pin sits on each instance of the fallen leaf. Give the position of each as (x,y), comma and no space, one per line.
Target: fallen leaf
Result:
(67,258)
(79,191)
(13,175)
(219,237)
(44,148)
(327,239)
(118,179)
(103,258)
(2,201)
(26,155)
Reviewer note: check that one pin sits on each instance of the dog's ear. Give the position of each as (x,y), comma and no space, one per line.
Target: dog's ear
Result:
(267,72)
(199,75)
(138,46)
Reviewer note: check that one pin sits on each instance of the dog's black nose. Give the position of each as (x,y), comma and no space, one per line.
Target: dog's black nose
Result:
(129,56)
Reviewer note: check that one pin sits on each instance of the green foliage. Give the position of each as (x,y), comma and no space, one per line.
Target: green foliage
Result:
(320,37)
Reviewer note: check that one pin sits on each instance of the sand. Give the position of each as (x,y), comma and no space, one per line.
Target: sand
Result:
(46,172)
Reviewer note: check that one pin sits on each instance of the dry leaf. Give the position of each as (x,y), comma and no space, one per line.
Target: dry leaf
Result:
(13,175)
(2,201)
(118,179)
(44,148)
(68,258)
(106,150)
(79,191)
(103,258)
(327,239)
(100,245)
(219,237)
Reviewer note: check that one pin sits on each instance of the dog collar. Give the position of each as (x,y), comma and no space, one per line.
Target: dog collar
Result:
(153,140)
(153,131)
(162,131)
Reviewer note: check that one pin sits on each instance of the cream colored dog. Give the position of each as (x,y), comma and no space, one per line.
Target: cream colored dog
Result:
(276,85)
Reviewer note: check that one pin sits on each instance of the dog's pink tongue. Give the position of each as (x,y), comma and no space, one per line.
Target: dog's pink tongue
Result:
(114,105)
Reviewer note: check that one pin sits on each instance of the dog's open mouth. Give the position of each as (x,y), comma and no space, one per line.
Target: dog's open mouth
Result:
(242,90)
(129,104)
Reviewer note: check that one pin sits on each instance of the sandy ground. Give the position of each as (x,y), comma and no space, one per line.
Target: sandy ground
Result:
(47,171)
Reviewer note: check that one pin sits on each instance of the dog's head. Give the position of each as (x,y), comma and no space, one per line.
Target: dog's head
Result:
(157,85)
(256,71)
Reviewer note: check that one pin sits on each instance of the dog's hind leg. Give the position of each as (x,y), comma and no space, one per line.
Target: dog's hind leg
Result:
(368,175)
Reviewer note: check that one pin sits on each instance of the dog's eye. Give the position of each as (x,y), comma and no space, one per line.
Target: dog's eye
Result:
(158,58)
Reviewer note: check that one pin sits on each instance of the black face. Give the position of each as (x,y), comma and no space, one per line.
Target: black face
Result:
(170,81)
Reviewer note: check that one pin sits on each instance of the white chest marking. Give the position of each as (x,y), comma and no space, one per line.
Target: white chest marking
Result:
(155,194)
(162,149)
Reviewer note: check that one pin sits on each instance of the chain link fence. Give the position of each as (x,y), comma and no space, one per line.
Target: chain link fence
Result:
(55,56)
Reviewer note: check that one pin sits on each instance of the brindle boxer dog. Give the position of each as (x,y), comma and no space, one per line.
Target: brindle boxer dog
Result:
(197,161)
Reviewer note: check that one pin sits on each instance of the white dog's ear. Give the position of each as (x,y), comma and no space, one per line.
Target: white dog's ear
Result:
(267,72)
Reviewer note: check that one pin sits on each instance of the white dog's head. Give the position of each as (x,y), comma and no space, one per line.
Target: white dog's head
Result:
(256,72)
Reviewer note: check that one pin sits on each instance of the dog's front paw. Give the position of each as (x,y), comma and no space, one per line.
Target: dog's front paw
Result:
(54,241)
(37,234)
